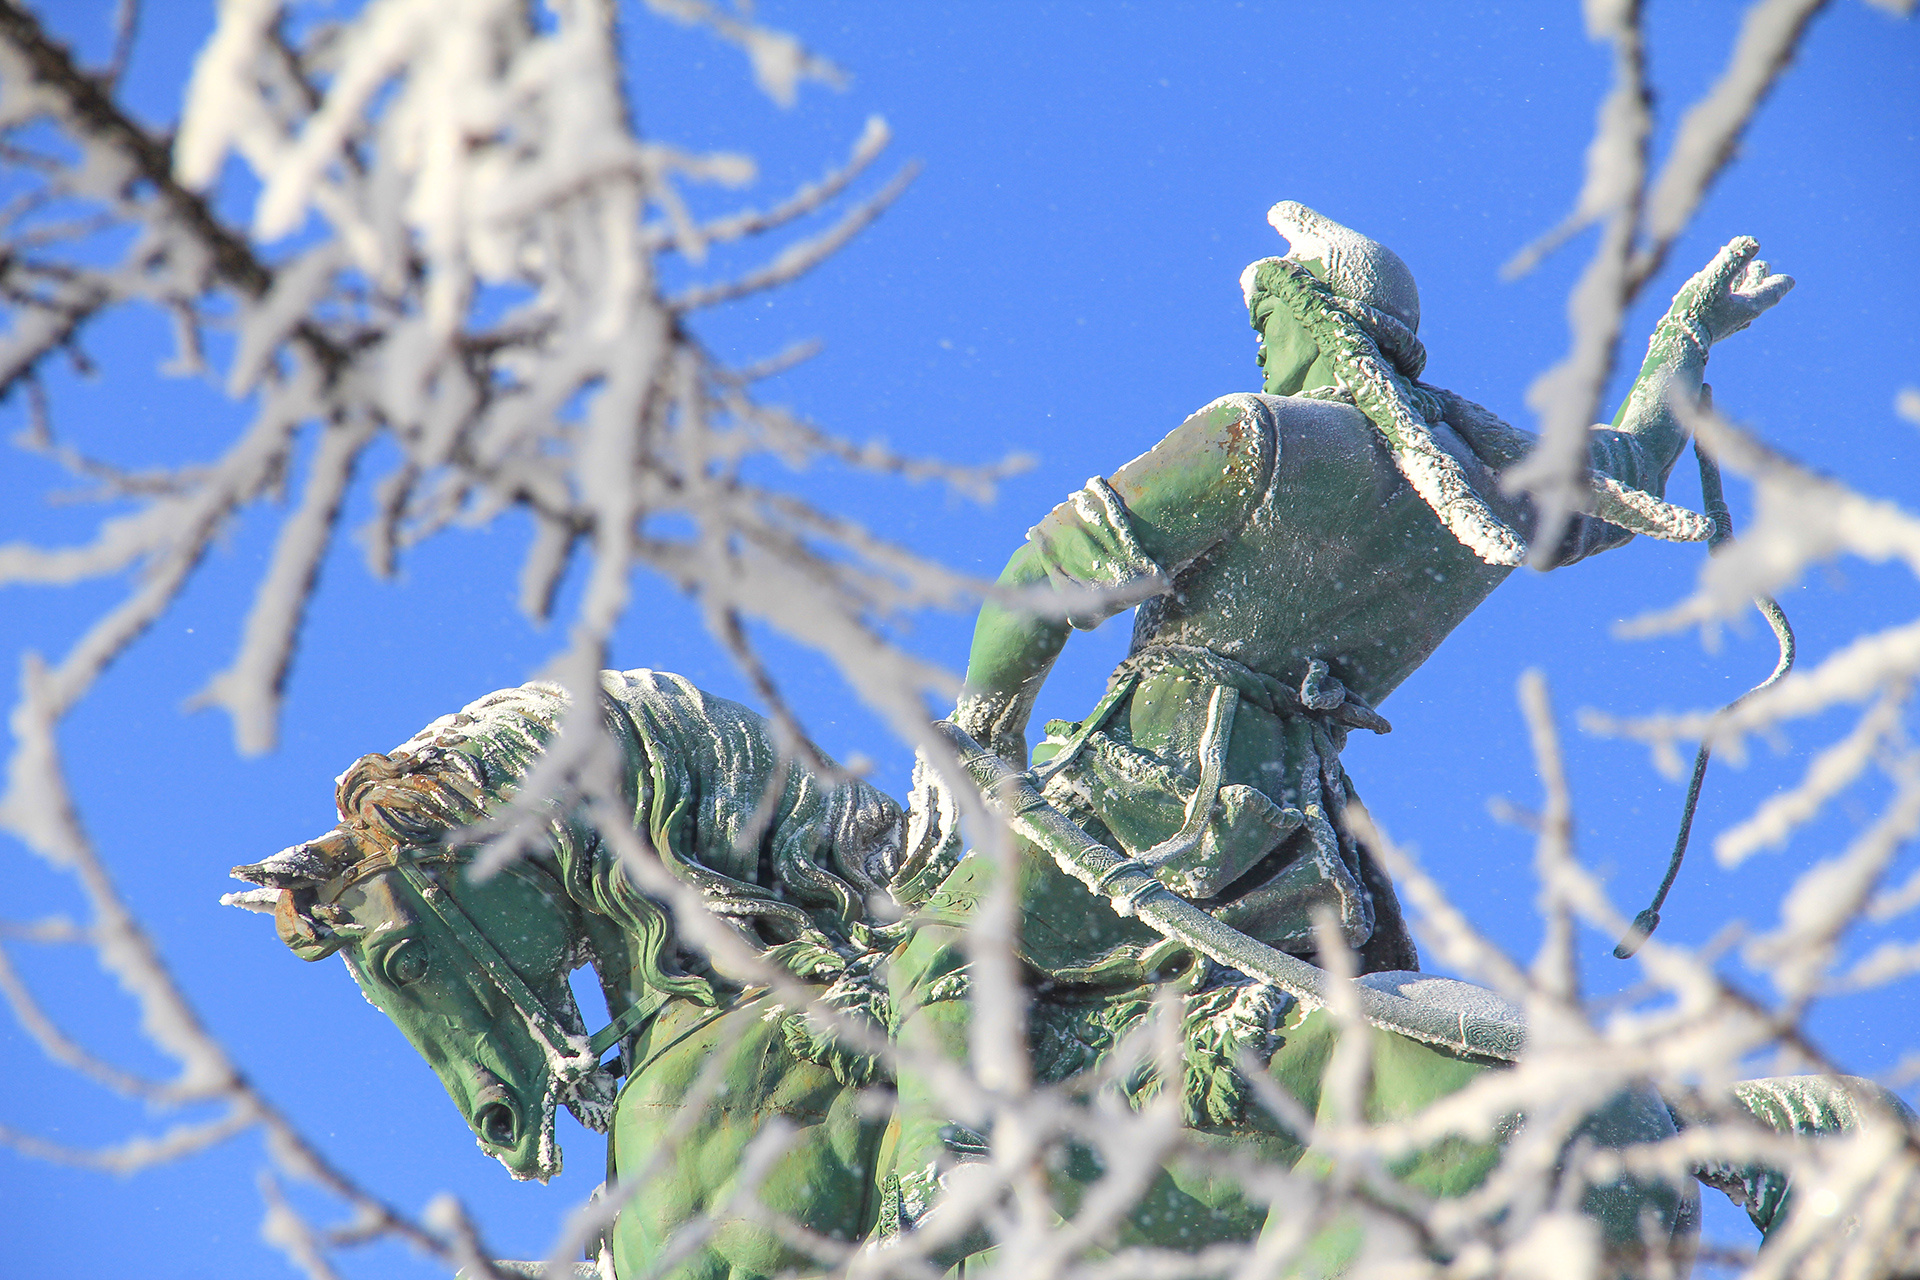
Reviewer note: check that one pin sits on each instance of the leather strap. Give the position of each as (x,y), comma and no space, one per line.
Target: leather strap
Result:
(1213,759)
(1102,710)
(525,1002)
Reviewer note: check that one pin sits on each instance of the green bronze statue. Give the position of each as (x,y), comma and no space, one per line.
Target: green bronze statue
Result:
(1294,556)
(475,973)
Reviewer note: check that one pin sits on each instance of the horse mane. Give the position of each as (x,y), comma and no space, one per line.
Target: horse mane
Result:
(463,769)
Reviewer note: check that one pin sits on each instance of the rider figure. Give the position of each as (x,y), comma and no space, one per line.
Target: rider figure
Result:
(1295,555)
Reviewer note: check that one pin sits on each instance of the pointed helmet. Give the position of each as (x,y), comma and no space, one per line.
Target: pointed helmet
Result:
(1366,275)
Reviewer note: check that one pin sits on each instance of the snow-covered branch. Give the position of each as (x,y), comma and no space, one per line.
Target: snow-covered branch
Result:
(415,173)
(453,271)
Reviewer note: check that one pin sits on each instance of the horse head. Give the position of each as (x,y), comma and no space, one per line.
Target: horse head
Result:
(474,971)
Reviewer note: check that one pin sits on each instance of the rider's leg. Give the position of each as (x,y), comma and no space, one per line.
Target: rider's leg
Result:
(1641,1216)
(929,988)
(1405,1077)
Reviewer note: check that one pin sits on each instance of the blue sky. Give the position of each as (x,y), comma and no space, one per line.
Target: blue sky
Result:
(1060,282)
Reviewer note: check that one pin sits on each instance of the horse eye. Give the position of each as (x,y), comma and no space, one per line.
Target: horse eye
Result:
(406,963)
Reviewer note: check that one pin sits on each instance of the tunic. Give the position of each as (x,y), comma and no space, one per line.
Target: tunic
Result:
(1289,580)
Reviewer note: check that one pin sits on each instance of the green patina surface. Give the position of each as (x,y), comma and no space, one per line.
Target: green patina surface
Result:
(746,1065)
(1294,556)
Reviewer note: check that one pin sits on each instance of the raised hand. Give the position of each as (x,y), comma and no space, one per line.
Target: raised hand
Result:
(1727,294)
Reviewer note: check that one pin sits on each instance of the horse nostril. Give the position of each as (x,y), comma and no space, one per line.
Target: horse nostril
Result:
(496,1123)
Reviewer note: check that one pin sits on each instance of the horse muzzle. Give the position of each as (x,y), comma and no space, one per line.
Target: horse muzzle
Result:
(496,1116)
(511,1131)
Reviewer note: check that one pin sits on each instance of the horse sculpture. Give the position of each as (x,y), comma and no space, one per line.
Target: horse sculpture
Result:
(475,972)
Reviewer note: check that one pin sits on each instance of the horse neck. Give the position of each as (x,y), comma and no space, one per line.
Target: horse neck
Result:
(596,939)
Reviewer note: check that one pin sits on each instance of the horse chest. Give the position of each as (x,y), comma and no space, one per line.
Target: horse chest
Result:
(715,1098)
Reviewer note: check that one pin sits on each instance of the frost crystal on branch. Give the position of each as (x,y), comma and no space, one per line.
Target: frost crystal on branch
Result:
(450,290)
(454,253)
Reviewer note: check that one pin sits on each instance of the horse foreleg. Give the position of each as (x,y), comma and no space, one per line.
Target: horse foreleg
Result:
(780,1143)
(929,987)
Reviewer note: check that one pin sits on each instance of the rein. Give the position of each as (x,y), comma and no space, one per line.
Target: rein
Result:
(1714,499)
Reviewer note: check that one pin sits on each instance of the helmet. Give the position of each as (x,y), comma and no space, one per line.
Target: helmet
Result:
(1369,278)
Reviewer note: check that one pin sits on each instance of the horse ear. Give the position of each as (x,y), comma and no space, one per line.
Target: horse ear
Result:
(312,862)
(261,900)
(304,936)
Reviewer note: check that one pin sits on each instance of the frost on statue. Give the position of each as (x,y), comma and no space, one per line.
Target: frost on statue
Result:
(776,939)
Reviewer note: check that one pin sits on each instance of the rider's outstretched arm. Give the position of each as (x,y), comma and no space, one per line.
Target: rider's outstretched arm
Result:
(1646,436)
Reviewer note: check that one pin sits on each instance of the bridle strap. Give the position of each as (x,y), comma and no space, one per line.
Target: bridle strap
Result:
(581,1059)
(485,954)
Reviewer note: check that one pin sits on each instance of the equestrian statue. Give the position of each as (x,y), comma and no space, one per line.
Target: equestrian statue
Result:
(1291,557)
